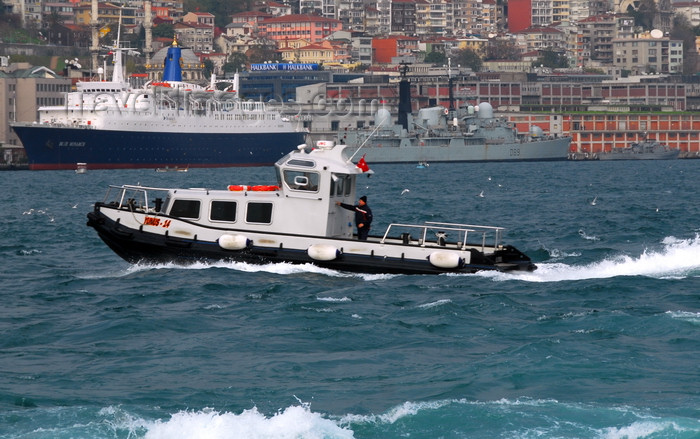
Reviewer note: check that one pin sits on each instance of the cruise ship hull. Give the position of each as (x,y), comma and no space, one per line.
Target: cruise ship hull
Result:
(462,150)
(50,147)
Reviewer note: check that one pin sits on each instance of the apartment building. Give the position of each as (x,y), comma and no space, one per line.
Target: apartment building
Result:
(310,27)
(403,16)
(198,37)
(541,38)
(596,35)
(37,86)
(107,13)
(691,10)
(204,18)
(316,53)
(648,55)
(386,49)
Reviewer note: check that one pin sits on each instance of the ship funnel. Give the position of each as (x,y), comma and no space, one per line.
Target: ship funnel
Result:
(173,69)
(404,97)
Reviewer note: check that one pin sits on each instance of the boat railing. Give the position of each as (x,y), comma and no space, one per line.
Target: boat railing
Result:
(135,198)
(485,234)
(235,105)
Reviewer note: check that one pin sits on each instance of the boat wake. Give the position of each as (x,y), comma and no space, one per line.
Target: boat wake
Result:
(677,259)
(282,268)
(437,417)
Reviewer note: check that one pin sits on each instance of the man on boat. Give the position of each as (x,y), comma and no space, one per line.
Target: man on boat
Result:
(363,216)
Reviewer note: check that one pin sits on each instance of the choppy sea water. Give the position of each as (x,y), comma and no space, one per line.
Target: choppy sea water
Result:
(602,341)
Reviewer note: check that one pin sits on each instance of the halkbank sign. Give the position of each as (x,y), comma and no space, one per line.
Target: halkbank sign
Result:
(282,66)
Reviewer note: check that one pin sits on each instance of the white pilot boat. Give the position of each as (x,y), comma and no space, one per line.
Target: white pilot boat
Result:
(296,220)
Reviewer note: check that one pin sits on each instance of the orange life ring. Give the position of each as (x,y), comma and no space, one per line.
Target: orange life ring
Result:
(236,187)
(264,188)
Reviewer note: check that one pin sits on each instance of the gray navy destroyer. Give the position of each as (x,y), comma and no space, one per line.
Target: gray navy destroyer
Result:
(439,134)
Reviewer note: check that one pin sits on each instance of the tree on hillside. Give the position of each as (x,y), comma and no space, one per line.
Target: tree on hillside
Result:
(435,58)
(262,54)
(684,31)
(163,30)
(468,58)
(236,62)
(552,59)
(502,50)
(644,14)
(222,10)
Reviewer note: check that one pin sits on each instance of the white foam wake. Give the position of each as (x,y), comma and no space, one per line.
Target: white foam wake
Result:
(678,258)
(282,268)
(295,422)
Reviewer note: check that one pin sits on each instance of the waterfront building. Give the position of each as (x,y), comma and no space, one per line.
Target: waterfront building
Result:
(593,133)
(23,89)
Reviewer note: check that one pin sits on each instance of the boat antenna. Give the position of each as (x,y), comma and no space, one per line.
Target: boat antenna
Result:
(374,131)
(450,84)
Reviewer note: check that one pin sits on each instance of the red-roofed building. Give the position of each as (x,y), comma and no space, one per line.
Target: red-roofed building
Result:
(315,53)
(519,15)
(198,37)
(253,18)
(277,9)
(293,27)
(395,46)
(160,12)
(541,38)
(74,35)
(204,18)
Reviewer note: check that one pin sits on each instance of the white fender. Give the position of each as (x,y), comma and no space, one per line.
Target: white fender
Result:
(445,259)
(323,252)
(233,242)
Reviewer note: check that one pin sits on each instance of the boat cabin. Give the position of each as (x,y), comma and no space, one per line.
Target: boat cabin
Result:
(308,183)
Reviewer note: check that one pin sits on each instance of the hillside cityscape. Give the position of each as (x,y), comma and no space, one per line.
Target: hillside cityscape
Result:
(524,57)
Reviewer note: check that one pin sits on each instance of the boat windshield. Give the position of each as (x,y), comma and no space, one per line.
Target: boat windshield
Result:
(301,180)
(341,185)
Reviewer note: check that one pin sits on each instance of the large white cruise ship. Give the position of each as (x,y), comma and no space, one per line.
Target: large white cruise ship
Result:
(171,123)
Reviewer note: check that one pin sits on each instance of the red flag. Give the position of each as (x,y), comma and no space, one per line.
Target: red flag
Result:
(362,164)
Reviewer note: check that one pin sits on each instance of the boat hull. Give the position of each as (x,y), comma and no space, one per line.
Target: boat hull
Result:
(666,155)
(50,147)
(462,150)
(139,245)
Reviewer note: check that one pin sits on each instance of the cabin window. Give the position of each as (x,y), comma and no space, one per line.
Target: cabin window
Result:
(303,163)
(259,213)
(341,185)
(301,180)
(223,211)
(185,208)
